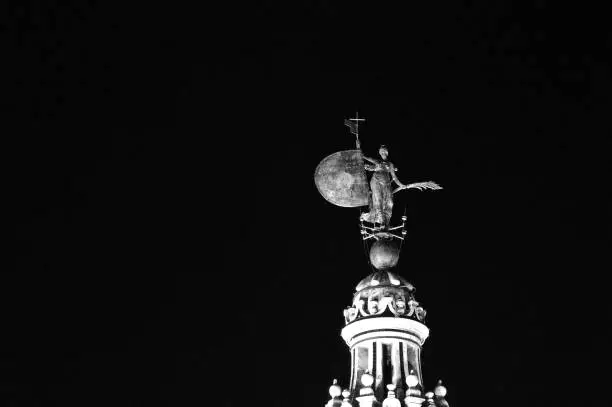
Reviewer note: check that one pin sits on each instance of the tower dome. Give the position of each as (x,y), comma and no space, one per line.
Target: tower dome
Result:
(384,278)
(384,293)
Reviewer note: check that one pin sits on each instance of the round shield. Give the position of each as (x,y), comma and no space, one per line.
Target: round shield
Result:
(341,179)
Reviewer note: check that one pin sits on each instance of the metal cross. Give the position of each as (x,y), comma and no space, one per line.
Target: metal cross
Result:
(355,127)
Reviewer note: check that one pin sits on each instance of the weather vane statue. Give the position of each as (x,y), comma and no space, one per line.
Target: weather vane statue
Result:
(341,179)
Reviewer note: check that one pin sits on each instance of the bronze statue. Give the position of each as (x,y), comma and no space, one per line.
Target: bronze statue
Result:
(341,179)
(381,198)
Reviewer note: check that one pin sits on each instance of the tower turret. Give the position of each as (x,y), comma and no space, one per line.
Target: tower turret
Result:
(385,332)
(384,325)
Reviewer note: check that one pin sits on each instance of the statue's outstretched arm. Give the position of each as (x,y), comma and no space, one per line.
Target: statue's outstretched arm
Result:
(419,186)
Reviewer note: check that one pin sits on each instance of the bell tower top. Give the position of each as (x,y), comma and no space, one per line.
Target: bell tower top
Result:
(384,325)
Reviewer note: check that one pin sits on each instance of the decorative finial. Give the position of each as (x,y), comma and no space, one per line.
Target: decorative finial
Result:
(335,390)
(440,391)
(346,402)
(391,400)
(412,380)
(367,379)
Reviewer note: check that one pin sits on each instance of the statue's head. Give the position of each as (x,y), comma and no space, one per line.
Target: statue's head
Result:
(383,152)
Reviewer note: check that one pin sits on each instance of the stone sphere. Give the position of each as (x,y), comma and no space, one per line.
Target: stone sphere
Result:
(440,391)
(335,390)
(412,380)
(384,254)
(367,379)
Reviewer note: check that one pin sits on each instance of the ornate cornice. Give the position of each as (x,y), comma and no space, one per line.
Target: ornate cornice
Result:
(384,300)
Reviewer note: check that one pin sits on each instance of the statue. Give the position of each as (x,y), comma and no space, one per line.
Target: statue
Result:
(341,179)
(381,198)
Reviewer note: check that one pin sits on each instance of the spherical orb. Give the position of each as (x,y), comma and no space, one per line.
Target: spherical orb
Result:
(384,254)
(391,387)
(367,379)
(440,391)
(412,380)
(346,393)
(335,390)
(429,394)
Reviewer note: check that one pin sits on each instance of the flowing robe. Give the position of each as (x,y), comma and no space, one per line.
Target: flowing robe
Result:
(381,203)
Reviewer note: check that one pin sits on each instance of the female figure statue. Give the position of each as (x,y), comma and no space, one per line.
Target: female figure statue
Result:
(381,198)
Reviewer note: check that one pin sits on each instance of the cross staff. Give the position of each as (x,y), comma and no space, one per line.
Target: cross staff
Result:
(353,124)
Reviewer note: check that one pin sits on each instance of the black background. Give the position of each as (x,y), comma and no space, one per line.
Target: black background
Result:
(169,244)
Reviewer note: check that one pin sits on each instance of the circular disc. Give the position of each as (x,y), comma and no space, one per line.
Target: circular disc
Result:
(341,179)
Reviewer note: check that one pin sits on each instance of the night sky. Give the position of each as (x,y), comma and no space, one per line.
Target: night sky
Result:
(168,245)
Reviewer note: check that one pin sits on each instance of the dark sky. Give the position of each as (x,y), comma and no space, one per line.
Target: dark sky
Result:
(170,248)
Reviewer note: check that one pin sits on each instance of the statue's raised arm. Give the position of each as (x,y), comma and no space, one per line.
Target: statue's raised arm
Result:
(373,163)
